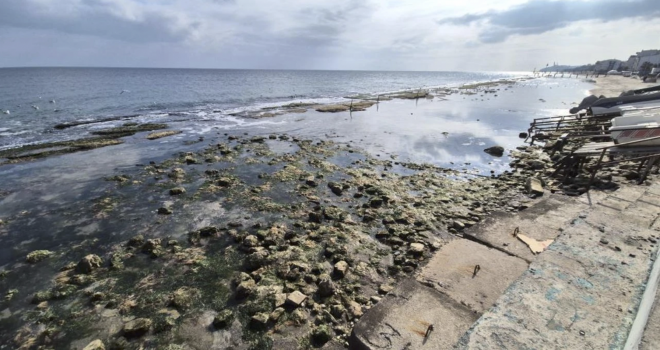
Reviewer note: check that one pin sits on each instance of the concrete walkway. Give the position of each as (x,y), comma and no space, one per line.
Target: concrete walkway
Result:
(581,293)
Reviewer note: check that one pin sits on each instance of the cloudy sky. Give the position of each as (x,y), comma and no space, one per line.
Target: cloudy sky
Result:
(465,35)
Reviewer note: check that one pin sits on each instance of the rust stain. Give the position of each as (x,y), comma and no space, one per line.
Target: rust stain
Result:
(422,332)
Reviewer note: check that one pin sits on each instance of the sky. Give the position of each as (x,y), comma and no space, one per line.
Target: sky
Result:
(441,35)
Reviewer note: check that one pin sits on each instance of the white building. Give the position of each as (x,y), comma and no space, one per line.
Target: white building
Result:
(607,65)
(631,64)
(651,56)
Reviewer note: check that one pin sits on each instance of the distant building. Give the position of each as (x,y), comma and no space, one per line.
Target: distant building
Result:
(650,56)
(631,63)
(607,65)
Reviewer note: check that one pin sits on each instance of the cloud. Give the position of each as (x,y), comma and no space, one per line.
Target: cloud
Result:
(536,17)
(113,20)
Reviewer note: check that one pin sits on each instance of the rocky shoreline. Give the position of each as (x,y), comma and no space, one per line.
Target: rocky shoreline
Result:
(254,242)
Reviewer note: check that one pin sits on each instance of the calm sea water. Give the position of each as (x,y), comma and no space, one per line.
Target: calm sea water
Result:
(39,98)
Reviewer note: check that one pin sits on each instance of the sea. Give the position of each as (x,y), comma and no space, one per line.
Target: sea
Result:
(37,99)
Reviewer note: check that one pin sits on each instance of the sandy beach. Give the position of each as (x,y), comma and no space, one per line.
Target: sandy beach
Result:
(613,86)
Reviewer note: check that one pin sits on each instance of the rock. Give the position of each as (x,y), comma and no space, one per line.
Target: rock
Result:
(341,268)
(496,151)
(245,289)
(223,319)
(522,135)
(177,173)
(326,286)
(190,160)
(257,259)
(89,263)
(354,309)
(416,248)
(183,298)
(224,181)
(311,181)
(276,314)
(321,335)
(177,191)
(385,288)
(337,310)
(280,299)
(137,328)
(250,241)
(458,225)
(534,186)
(153,247)
(259,321)
(298,317)
(95,345)
(38,255)
(136,241)
(164,211)
(336,188)
(296,298)
(375,299)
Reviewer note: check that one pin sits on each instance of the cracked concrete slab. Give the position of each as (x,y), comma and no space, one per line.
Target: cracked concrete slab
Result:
(452,271)
(402,318)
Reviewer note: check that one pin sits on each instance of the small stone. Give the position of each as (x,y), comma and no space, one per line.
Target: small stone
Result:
(496,151)
(354,309)
(534,186)
(416,248)
(89,263)
(296,298)
(276,314)
(95,345)
(375,299)
(245,288)
(385,288)
(251,241)
(321,335)
(177,191)
(311,181)
(280,299)
(341,268)
(458,225)
(259,321)
(38,255)
(164,211)
(223,319)
(137,327)
(326,286)
(604,241)
(336,188)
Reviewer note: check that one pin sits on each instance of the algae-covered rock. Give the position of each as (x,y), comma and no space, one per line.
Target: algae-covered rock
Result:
(164,211)
(89,263)
(341,268)
(245,289)
(161,134)
(259,321)
(223,319)
(38,255)
(177,191)
(321,335)
(326,286)
(137,328)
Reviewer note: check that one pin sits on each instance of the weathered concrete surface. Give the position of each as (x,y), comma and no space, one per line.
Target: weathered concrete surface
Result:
(401,319)
(452,271)
(584,291)
(651,339)
(542,221)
